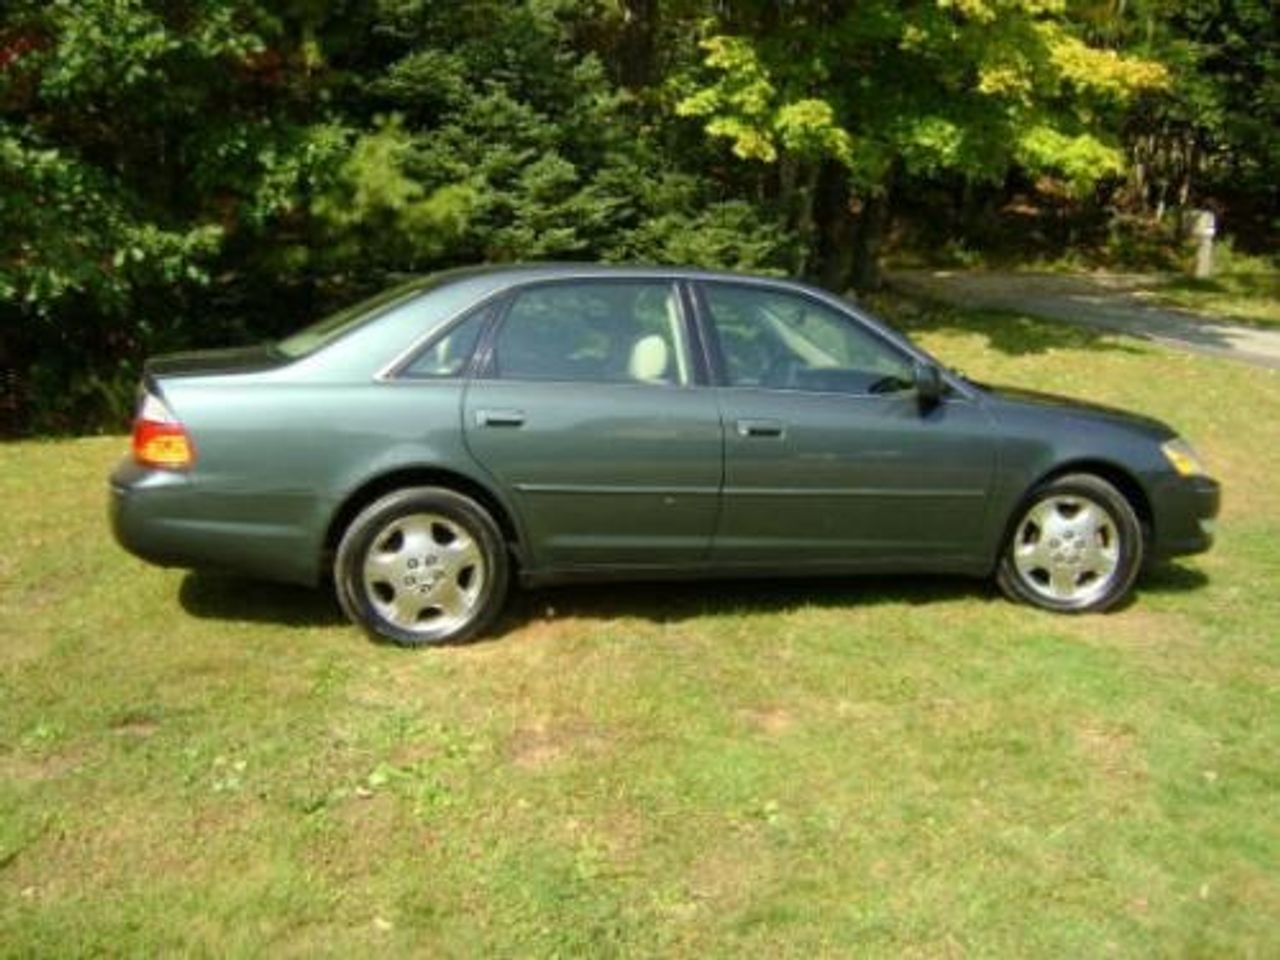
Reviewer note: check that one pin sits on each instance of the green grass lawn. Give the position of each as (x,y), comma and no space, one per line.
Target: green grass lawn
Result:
(1242,289)
(872,767)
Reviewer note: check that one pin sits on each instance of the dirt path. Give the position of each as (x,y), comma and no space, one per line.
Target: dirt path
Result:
(1109,301)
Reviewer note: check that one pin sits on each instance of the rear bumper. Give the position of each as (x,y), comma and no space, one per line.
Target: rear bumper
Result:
(141,508)
(1185,513)
(164,518)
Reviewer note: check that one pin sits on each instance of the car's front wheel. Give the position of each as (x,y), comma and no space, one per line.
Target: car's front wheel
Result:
(422,566)
(1075,547)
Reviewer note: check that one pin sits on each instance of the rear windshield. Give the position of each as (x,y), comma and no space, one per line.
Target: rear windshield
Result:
(312,338)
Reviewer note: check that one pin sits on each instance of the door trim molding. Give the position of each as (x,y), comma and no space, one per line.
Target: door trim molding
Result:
(851,492)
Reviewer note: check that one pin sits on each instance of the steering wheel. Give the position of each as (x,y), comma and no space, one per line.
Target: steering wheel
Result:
(888,384)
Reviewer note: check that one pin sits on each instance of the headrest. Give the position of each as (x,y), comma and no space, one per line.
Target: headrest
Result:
(649,357)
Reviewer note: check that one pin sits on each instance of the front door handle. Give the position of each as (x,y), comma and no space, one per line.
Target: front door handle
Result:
(761,428)
(500,418)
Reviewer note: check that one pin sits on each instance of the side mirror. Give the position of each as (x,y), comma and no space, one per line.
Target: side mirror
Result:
(929,385)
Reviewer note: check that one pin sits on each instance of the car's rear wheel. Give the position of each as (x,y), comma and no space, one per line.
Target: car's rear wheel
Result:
(1075,547)
(422,566)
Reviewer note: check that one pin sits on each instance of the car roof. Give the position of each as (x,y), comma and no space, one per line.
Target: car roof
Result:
(509,273)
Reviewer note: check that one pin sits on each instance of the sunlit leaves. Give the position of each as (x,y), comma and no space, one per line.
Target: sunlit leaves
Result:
(971,87)
(1082,159)
(742,105)
(375,204)
(1100,71)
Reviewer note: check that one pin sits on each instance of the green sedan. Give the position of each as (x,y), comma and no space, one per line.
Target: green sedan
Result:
(544,423)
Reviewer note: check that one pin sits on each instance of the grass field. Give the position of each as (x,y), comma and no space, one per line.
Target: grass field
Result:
(1243,289)
(876,767)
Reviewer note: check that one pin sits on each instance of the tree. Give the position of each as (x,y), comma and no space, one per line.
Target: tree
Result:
(179,173)
(139,143)
(1215,132)
(851,102)
(496,136)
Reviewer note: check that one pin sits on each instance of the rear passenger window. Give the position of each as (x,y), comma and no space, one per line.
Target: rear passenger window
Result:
(602,331)
(448,354)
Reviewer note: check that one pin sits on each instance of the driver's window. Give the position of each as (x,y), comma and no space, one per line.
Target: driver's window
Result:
(784,341)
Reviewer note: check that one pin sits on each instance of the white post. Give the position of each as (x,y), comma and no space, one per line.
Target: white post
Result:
(1203,228)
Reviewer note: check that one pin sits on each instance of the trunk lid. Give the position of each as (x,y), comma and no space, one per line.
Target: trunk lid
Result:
(199,363)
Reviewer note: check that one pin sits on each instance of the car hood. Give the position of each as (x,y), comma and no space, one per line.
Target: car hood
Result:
(212,362)
(1079,409)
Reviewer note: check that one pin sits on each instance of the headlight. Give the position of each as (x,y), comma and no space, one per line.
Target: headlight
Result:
(1182,458)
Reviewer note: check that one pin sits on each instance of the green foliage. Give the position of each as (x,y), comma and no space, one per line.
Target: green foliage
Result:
(179,174)
(380,213)
(743,105)
(1213,133)
(1082,160)
(739,105)
(975,93)
(728,234)
(137,155)
(70,234)
(491,156)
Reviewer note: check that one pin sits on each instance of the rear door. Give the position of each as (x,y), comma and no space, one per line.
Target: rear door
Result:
(589,412)
(829,457)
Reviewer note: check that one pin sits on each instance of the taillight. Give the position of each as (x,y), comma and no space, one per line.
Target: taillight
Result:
(159,438)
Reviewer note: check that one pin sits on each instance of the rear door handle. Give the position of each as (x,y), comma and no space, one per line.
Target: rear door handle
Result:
(500,418)
(761,428)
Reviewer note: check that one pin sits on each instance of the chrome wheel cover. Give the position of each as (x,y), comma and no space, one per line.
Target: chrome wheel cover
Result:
(1066,548)
(424,573)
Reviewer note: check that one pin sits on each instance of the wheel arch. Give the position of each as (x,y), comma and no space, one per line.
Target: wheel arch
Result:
(1129,487)
(1122,479)
(421,476)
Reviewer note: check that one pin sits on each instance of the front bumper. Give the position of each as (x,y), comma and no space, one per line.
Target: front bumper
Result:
(1185,511)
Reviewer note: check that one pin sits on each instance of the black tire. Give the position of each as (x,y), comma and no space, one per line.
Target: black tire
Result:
(1036,586)
(388,534)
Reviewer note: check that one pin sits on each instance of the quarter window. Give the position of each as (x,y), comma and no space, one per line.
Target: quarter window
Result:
(448,354)
(785,341)
(628,332)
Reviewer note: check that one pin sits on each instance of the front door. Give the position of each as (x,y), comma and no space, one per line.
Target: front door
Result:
(587,412)
(829,458)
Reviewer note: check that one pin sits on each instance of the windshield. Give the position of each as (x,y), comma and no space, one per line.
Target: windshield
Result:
(312,338)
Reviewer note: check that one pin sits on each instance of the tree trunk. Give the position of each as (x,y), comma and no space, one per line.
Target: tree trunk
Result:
(833,216)
(872,226)
(850,232)
(637,46)
(798,198)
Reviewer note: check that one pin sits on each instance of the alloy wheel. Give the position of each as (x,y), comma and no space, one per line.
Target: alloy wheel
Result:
(1067,548)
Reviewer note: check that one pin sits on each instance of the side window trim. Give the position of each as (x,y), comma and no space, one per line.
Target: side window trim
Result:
(700,345)
(482,361)
(483,365)
(715,349)
(717,373)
